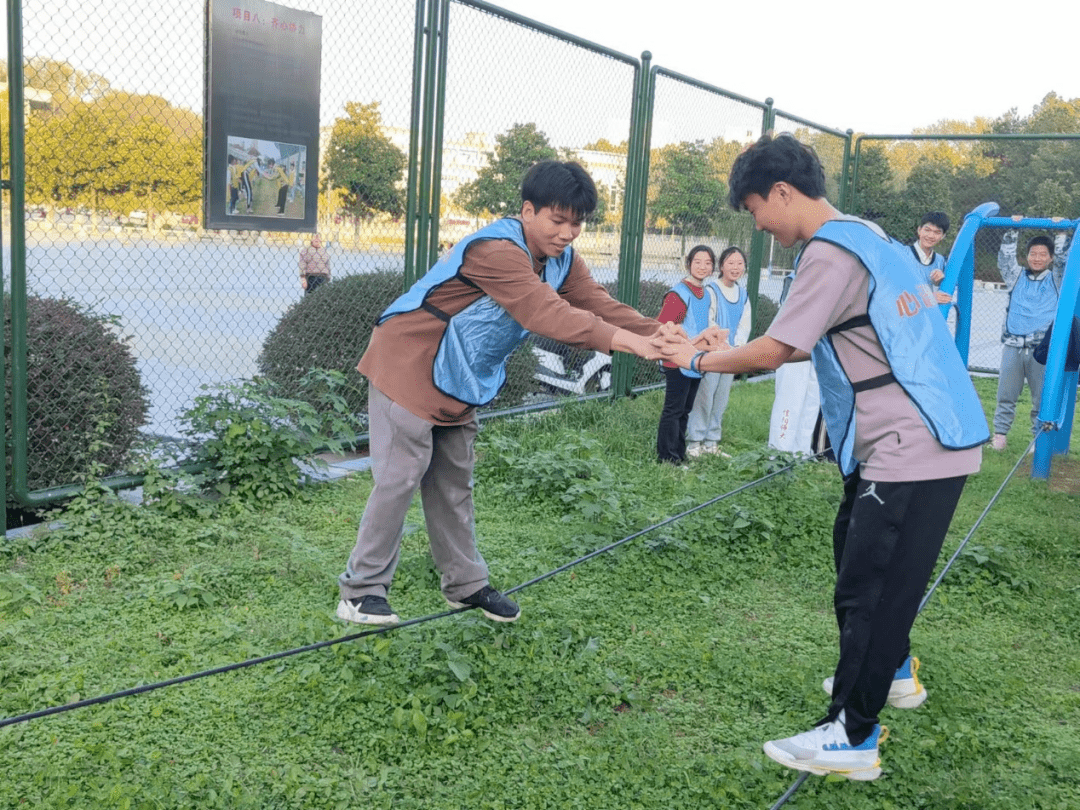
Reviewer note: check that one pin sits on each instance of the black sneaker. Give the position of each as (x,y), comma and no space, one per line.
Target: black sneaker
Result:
(495,606)
(367,610)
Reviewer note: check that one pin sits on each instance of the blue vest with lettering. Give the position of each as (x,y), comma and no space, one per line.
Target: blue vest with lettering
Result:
(1032,305)
(470,364)
(728,314)
(697,315)
(917,344)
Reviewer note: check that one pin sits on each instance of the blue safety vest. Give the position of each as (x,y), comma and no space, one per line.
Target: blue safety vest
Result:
(728,314)
(937,262)
(917,344)
(470,364)
(697,316)
(1032,306)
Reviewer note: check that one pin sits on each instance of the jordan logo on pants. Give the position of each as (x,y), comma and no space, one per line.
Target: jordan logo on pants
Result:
(871,492)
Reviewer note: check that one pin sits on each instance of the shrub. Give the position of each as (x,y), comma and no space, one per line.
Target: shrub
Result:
(329,330)
(247,437)
(85,398)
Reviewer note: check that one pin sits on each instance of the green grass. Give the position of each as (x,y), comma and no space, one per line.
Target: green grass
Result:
(645,678)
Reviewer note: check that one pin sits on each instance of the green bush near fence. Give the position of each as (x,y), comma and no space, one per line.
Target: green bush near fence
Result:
(330,330)
(85,397)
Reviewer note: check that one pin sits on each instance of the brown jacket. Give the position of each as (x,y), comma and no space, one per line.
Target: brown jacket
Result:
(401,354)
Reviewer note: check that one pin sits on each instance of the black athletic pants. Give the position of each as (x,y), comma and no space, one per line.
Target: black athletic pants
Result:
(679,394)
(886,540)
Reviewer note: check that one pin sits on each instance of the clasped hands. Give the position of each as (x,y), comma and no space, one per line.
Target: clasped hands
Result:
(671,343)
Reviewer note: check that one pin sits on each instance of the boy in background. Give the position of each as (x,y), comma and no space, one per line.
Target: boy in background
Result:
(1033,300)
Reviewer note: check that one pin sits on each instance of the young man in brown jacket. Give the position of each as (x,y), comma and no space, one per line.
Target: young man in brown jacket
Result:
(439,352)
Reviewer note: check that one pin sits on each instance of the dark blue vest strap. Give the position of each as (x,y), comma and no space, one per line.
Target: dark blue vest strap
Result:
(873,382)
(850,323)
(434,310)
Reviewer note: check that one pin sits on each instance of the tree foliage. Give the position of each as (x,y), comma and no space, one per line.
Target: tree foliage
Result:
(110,150)
(685,190)
(362,162)
(496,191)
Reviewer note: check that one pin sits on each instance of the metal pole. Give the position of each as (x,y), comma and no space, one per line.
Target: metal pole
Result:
(637,161)
(413,179)
(757,240)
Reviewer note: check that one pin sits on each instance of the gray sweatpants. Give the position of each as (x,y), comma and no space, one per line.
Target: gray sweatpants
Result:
(410,453)
(1017,364)
(706,417)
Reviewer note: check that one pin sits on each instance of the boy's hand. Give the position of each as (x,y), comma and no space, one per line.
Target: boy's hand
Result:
(936,276)
(943,297)
(711,338)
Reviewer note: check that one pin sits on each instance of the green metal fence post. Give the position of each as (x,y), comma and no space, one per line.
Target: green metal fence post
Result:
(757,239)
(437,136)
(17,167)
(630,247)
(431,53)
(844,203)
(413,180)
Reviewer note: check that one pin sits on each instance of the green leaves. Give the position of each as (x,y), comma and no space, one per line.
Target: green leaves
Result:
(496,191)
(362,162)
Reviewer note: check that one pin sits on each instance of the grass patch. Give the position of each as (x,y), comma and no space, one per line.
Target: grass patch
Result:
(645,678)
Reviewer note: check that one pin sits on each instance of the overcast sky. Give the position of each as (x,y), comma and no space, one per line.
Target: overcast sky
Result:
(878,68)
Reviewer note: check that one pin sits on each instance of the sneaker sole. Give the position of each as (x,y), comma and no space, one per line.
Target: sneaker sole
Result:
(493,616)
(867,774)
(355,617)
(912,701)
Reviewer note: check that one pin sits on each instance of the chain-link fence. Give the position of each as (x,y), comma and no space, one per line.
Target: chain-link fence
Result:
(429,113)
(897,180)
(499,119)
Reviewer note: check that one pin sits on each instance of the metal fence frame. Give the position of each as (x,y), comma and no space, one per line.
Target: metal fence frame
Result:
(432,41)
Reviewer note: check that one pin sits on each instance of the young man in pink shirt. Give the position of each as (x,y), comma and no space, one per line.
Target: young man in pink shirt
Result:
(860,309)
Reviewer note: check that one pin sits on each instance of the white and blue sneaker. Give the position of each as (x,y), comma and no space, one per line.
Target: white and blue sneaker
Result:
(906,692)
(825,749)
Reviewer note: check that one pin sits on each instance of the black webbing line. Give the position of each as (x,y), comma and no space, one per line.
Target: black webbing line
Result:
(150,687)
(929,592)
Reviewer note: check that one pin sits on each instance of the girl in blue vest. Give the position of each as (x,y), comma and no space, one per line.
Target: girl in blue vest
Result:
(688,304)
(728,310)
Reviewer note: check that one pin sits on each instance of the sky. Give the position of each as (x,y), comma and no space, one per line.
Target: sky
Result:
(874,68)
(881,68)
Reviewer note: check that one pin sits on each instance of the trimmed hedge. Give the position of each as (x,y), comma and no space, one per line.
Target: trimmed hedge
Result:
(329,329)
(85,397)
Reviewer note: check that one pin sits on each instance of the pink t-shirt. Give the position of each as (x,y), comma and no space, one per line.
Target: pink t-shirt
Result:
(892,443)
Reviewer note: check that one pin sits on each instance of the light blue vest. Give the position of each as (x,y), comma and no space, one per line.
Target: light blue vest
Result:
(470,364)
(937,262)
(917,345)
(697,316)
(1032,306)
(728,314)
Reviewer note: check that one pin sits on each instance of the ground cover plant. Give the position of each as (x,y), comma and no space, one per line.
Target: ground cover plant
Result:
(647,677)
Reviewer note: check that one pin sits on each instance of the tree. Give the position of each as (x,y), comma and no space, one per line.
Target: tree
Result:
(363,163)
(93,153)
(876,196)
(685,192)
(496,191)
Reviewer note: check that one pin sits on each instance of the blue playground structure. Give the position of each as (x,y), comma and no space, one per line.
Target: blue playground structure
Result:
(1059,388)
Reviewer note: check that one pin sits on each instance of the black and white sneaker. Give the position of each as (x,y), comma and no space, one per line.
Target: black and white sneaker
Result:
(494,605)
(367,610)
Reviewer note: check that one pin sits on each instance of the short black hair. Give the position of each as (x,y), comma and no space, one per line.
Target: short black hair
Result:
(938,218)
(1045,241)
(728,251)
(559,184)
(696,249)
(774,160)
